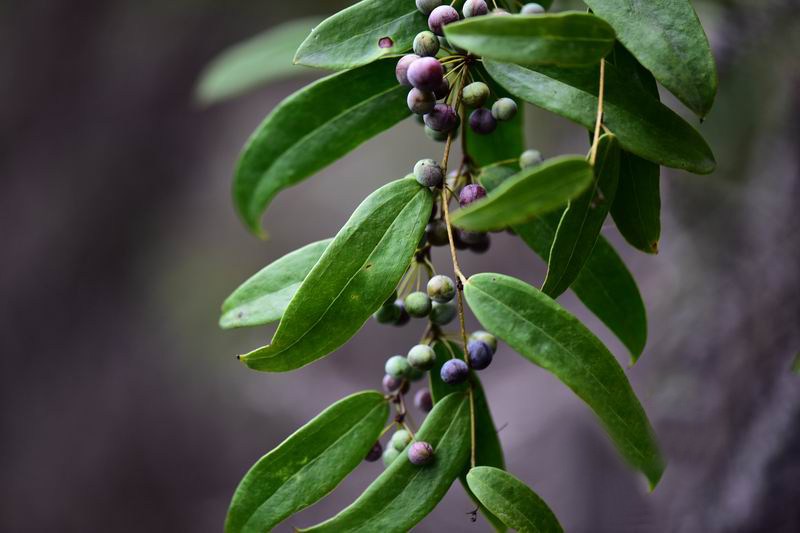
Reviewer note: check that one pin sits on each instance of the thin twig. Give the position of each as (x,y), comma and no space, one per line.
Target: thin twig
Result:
(599,120)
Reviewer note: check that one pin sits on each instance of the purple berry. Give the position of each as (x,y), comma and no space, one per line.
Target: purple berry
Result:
(471,193)
(443,118)
(471,237)
(401,70)
(404,317)
(443,90)
(374,453)
(482,122)
(486,337)
(474,8)
(420,453)
(428,173)
(480,354)
(425,73)
(454,371)
(420,102)
(423,400)
(440,17)
(391,383)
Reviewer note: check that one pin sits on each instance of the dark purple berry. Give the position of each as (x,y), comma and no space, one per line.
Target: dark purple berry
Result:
(401,70)
(426,6)
(426,74)
(374,453)
(471,193)
(471,237)
(474,8)
(420,102)
(423,400)
(454,371)
(443,90)
(391,383)
(420,453)
(436,232)
(440,17)
(482,122)
(481,245)
(458,242)
(485,337)
(426,44)
(480,354)
(443,118)
(404,317)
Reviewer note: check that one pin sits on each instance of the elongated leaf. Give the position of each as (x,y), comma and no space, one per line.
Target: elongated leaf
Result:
(529,193)
(514,502)
(488,450)
(259,60)
(313,128)
(493,175)
(264,297)
(404,494)
(565,39)
(543,332)
(643,125)
(309,464)
(362,33)
(667,38)
(582,221)
(357,272)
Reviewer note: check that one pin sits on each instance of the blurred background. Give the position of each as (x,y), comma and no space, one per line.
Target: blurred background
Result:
(123,408)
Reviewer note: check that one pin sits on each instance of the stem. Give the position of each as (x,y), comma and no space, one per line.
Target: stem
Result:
(599,120)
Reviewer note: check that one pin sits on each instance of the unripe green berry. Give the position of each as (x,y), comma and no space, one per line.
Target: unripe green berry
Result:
(415,374)
(531,9)
(475,94)
(442,313)
(426,6)
(530,158)
(441,288)
(426,44)
(397,366)
(388,314)
(474,8)
(438,136)
(484,336)
(421,357)
(418,304)
(400,439)
(428,173)
(389,455)
(504,109)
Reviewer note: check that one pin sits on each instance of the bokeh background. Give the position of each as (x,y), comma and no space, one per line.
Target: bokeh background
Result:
(123,408)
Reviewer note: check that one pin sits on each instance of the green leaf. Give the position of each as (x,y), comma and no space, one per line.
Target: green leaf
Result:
(313,128)
(259,60)
(667,38)
(357,272)
(354,36)
(529,193)
(264,297)
(404,494)
(309,464)
(565,39)
(582,221)
(514,502)
(545,333)
(493,175)
(488,450)
(643,125)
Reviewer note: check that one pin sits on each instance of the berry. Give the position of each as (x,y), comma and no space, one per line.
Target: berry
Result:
(531,9)
(404,317)
(387,314)
(480,354)
(418,305)
(530,158)
(438,136)
(391,383)
(441,288)
(374,453)
(472,237)
(442,118)
(425,73)
(428,173)
(458,242)
(401,70)
(426,6)
(420,102)
(436,233)
(389,455)
(485,337)
(482,122)
(470,193)
(443,90)
(474,8)
(454,371)
(442,314)
(426,44)
(481,243)
(414,374)
(504,109)
(420,453)
(440,17)
(400,439)
(397,366)
(475,94)
(423,400)
(421,357)
(499,12)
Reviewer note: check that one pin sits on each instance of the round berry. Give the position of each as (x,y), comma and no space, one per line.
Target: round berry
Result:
(421,357)
(471,193)
(428,173)
(417,305)
(400,439)
(436,232)
(423,400)
(481,244)
(387,314)
(420,453)
(475,94)
(425,73)
(426,6)
(374,453)
(474,8)
(389,455)
(438,136)
(441,288)
(442,314)
(499,12)
(530,158)
(531,9)
(458,242)
(391,383)
(482,122)
(504,109)
(471,237)
(415,374)
(440,17)
(420,102)
(442,118)
(404,317)
(401,70)
(480,354)
(443,90)
(426,44)
(485,337)
(454,371)
(397,366)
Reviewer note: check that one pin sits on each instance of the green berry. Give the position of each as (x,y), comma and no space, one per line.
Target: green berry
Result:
(426,44)
(530,158)
(397,366)
(418,304)
(441,289)
(475,94)
(400,439)
(388,313)
(485,336)
(415,374)
(421,357)
(389,455)
(504,109)
(438,136)
(442,313)
(531,9)
(428,173)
